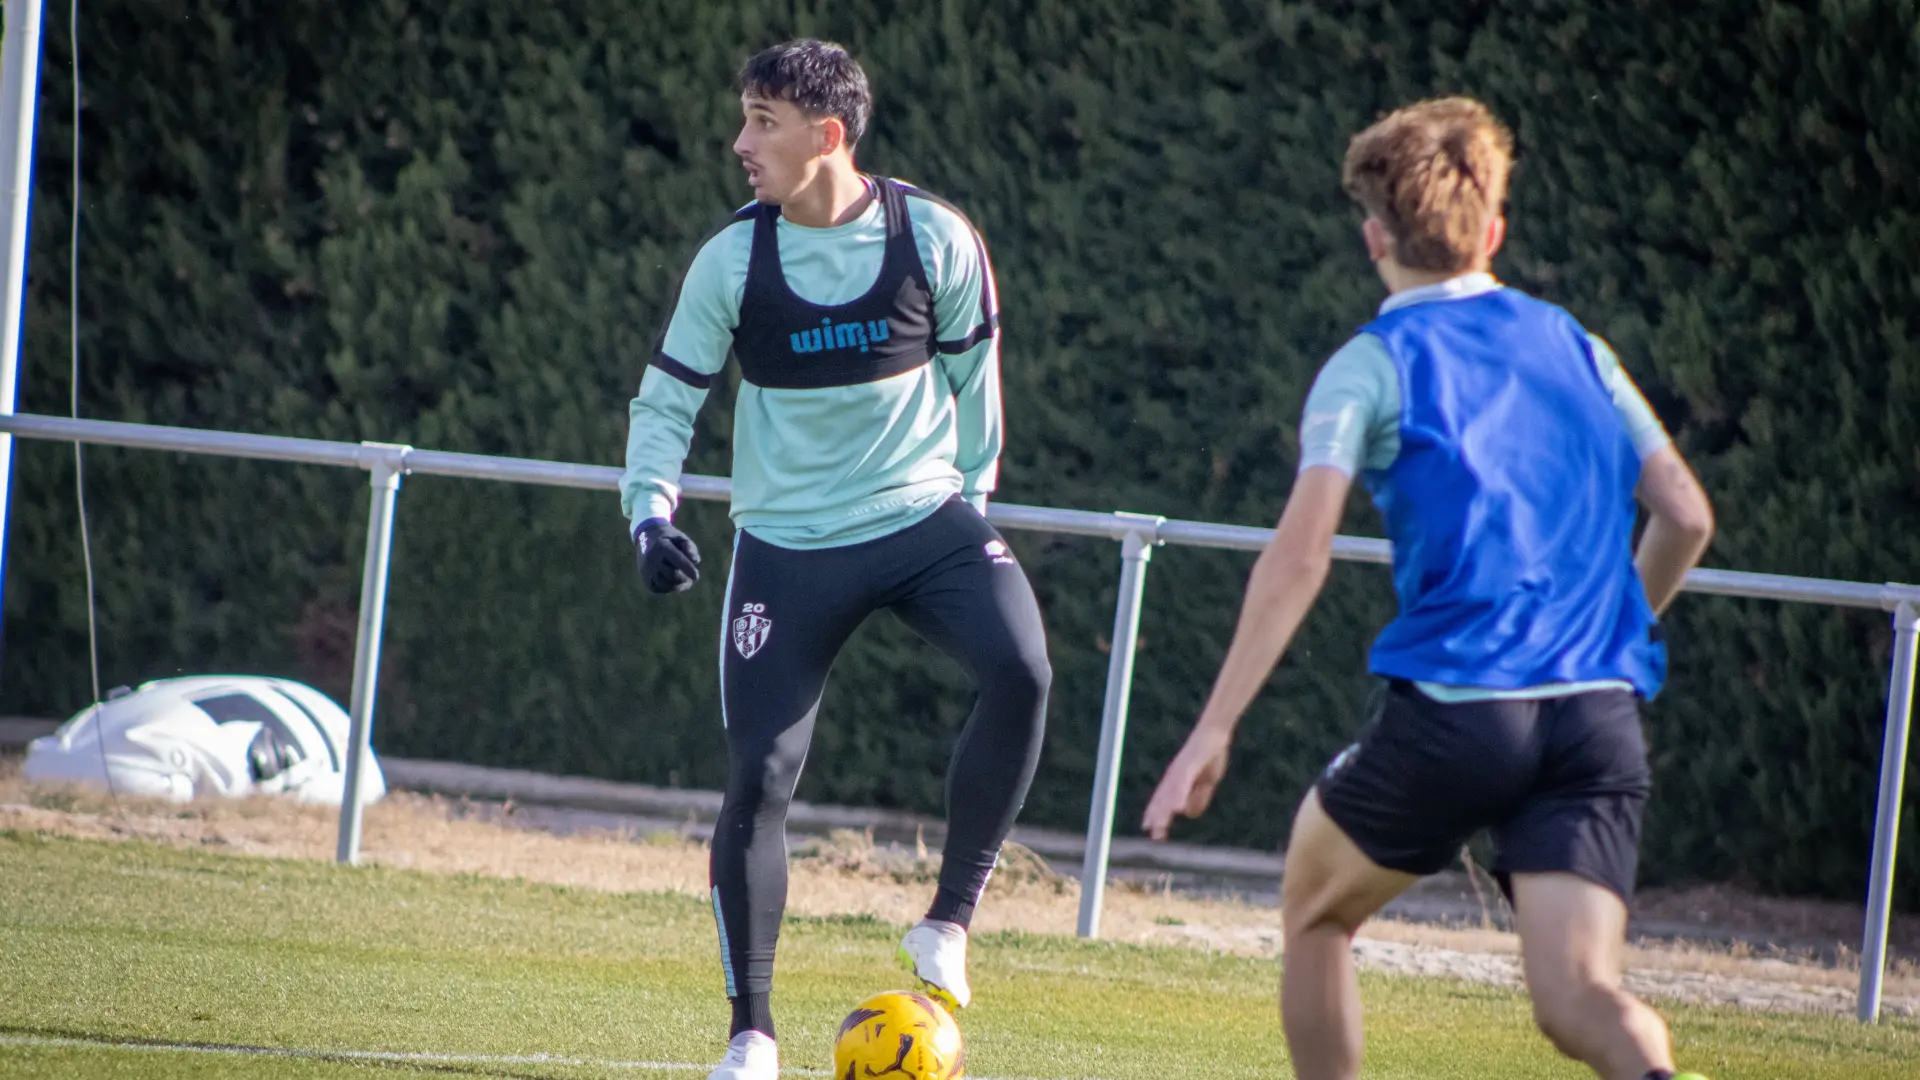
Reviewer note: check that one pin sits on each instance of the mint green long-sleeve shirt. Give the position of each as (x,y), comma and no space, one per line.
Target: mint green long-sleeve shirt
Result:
(819,468)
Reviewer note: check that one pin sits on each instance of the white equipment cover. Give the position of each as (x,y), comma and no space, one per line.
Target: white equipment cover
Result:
(226,735)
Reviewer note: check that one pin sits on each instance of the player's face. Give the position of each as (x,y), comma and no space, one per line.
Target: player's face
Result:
(780,146)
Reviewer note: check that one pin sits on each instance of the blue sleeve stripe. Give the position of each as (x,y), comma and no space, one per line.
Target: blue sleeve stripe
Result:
(681,371)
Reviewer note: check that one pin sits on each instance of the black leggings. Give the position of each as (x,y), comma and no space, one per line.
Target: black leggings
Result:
(788,613)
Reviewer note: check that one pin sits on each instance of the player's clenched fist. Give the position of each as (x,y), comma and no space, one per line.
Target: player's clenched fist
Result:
(668,560)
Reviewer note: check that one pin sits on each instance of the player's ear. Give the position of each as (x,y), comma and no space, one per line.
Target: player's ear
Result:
(832,135)
(1496,233)
(1379,241)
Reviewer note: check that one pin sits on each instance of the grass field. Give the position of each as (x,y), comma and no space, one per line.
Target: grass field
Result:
(203,959)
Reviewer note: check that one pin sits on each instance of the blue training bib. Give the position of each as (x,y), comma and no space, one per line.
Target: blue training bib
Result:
(1510,505)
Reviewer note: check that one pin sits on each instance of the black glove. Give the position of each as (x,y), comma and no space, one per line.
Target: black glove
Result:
(669,563)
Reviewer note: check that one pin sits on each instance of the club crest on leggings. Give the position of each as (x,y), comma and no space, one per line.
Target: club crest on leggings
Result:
(750,630)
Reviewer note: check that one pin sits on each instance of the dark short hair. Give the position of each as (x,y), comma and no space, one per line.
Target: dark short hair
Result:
(818,76)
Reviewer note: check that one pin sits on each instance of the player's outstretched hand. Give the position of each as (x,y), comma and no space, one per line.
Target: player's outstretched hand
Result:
(668,560)
(1190,780)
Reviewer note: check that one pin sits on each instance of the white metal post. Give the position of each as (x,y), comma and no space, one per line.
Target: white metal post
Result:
(387,465)
(1886,826)
(1136,550)
(19,94)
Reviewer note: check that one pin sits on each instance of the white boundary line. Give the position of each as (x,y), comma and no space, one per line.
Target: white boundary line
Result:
(399,1057)
(395,1057)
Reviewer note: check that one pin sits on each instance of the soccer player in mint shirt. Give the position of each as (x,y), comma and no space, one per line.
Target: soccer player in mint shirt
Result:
(1504,447)
(867,437)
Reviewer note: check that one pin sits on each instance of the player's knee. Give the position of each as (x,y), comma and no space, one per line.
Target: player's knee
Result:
(1326,885)
(1311,903)
(1314,909)
(1298,925)
(1035,673)
(762,782)
(778,777)
(1020,681)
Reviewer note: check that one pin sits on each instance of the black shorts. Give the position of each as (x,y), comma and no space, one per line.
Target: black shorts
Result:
(1560,782)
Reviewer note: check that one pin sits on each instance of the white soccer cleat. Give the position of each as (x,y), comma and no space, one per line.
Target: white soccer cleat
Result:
(936,952)
(750,1056)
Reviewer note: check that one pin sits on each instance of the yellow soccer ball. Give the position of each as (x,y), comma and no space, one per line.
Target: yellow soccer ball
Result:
(902,1035)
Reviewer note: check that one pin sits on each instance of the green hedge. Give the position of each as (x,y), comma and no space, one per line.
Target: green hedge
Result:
(456,225)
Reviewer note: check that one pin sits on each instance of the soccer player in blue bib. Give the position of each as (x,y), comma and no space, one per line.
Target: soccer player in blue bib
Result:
(866,440)
(1504,447)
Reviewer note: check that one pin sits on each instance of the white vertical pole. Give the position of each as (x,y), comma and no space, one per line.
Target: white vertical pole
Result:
(387,467)
(1136,550)
(1886,826)
(19,94)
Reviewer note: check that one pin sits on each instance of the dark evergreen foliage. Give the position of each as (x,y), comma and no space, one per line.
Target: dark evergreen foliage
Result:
(456,225)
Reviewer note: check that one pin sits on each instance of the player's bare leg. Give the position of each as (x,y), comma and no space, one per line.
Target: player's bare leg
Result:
(1572,936)
(1330,887)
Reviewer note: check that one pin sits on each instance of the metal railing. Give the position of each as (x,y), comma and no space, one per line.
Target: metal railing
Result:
(1138,535)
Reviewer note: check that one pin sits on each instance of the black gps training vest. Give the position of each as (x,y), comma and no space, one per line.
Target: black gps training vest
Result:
(786,343)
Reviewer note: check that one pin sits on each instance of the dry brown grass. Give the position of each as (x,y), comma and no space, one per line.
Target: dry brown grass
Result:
(846,874)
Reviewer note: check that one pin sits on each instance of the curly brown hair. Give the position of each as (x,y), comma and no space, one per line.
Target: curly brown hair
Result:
(1435,174)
